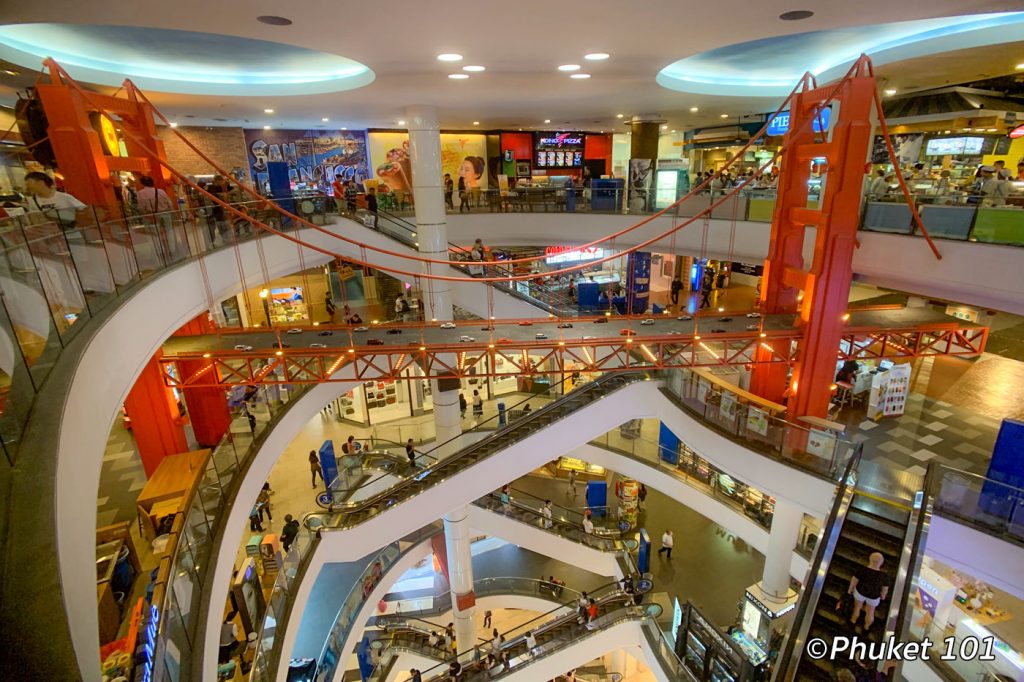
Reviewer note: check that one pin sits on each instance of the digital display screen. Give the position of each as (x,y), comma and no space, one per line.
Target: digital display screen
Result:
(558,150)
(954,146)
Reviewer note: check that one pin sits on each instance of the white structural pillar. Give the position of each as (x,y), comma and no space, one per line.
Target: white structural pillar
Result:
(431,221)
(782,541)
(432,236)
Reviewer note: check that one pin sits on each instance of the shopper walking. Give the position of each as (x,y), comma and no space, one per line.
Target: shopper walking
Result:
(252,422)
(666,544)
(478,404)
(571,490)
(487,619)
(462,405)
(463,196)
(868,588)
(677,286)
(641,495)
(449,189)
(314,466)
(289,532)
(156,204)
(264,501)
(410,452)
(255,525)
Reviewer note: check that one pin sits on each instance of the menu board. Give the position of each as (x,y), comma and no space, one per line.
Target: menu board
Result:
(558,150)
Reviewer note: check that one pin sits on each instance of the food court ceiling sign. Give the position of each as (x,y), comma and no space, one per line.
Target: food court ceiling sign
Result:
(779,124)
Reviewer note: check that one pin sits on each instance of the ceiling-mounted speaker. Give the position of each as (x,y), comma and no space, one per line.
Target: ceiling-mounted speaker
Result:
(33,126)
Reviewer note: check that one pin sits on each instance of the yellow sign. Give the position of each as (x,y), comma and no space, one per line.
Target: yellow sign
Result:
(108,134)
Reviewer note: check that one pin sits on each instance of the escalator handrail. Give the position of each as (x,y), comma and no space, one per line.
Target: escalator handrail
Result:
(898,621)
(553,612)
(792,649)
(478,428)
(524,422)
(463,265)
(646,611)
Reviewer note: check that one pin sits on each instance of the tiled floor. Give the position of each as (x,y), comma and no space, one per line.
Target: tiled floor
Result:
(121,478)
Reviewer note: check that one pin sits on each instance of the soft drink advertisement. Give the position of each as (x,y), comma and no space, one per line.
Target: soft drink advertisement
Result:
(462,156)
(314,158)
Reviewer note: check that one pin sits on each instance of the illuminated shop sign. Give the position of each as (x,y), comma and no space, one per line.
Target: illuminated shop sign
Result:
(571,254)
(767,610)
(779,124)
(561,140)
(1017,132)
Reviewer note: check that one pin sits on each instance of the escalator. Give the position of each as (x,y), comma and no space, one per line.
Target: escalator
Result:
(548,299)
(858,525)
(554,631)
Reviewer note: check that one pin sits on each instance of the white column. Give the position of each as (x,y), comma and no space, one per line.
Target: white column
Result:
(460,576)
(431,222)
(782,541)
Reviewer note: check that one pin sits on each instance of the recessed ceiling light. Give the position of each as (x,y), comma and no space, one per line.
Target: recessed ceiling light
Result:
(580,76)
(325,119)
(723,116)
(173,124)
(673,130)
(890,91)
(268,111)
(475,68)
(694,110)
(458,76)
(9,72)
(796,15)
(344,128)
(619,115)
(449,57)
(476,123)
(401,123)
(547,120)
(569,67)
(596,56)
(266,127)
(1019,66)
(664,127)
(274,21)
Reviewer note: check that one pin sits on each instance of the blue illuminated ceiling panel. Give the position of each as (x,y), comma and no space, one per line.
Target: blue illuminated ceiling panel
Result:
(181,61)
(772,66)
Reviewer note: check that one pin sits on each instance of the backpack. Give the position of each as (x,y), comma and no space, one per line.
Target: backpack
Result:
(405,306)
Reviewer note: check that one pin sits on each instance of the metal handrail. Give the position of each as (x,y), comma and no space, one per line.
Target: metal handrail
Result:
(791,653)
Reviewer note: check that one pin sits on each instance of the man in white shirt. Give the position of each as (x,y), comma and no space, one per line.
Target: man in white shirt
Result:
(878,186)
(666,544)
(60,207)
(588,525)
(546,513)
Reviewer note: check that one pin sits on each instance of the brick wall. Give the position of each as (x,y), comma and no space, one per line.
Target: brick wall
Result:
(225,146)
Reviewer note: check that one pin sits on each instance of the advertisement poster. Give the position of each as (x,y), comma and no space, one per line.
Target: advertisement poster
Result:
(558,150)
(640,178)
(821,443)
(462,156)
(703,386)
(907,148)
(314,158)
(757,421)
(727,408)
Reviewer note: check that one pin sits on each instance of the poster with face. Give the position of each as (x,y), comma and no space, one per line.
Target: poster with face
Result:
(314,158)
(462,156)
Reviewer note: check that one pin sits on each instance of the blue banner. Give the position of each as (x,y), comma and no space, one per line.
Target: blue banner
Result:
(668,445)
(779,124)
(328,464)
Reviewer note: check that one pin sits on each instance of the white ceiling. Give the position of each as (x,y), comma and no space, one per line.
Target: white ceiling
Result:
(521,45)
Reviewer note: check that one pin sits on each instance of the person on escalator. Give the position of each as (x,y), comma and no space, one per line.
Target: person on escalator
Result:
(371,204)
(531,642)
(415,675)
(288,533)
(410,452)
(868,588)
(545,511)
(588,525)
(591,614)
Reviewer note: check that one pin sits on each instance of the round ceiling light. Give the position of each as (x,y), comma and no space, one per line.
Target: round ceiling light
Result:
(580,76)
(272,20)
(266,127)
(618,115)
(325,119)
(796,15)
(596,56)
(694,110)
(449,57)
(723,115)
(476,123)
(569,67)
(474,68)
(268,111)
(401,123)
(890,92)
(458,76)
(547,120)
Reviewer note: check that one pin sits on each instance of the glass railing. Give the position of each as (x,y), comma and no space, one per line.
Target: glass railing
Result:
(203,517)
(57,275)
(270,641)
(695,471)
(982,503)
(665,653)
(757,426)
